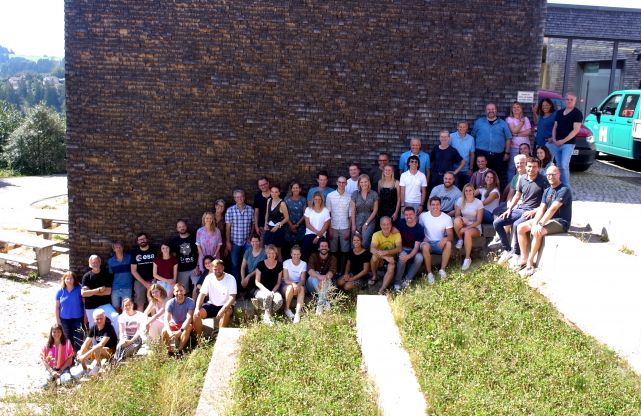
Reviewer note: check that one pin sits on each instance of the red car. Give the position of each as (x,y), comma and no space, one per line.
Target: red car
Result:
(584,150)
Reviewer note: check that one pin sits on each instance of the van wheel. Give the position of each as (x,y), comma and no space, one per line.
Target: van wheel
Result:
(579,168)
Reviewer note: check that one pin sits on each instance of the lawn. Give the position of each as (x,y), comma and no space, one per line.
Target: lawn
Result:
(312,368)
(151,385)
(485,343)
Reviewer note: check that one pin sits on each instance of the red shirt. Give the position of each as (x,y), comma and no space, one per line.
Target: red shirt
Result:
(165,267)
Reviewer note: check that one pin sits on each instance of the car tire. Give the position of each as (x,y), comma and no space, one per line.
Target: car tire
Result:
(579,168)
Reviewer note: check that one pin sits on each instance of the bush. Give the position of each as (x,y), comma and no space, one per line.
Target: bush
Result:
(10,119)
(37,146)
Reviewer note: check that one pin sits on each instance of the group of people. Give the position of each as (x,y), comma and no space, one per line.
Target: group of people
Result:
(378,224)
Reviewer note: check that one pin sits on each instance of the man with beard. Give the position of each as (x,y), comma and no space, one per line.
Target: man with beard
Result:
(321,269)
(179,311)
(142,268)
(448,193)
(493,140)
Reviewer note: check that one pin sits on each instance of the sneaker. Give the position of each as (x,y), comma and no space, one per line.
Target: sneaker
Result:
(397,288)
(296,318)
(256,304)
(406,284)
(267,319)
(289,313)
(527,272)
(495,243)
(94,371)
(466,263)
(319,309)
(505,257)
(442,274)
(430,278)
(459,244)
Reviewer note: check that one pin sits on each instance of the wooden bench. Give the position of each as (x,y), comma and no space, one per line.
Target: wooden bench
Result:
(24,261)
(54,217)
(43,248)
(46,232)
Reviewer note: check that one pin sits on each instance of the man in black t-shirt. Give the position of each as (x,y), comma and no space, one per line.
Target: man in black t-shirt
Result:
(142,268)
(567,124)
(100,343)
(184,247)
(96,290)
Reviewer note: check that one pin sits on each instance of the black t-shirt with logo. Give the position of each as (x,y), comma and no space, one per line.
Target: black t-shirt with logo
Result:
(106,331)
(186,252)
(145,262)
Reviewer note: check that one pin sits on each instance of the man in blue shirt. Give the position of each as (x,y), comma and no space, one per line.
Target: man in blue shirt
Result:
(493,140)
(464,143)
(323,179)
(423,158)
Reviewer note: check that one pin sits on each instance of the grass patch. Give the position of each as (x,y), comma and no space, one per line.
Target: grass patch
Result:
(152,385)
(312,368)
(485,343)
(626,250)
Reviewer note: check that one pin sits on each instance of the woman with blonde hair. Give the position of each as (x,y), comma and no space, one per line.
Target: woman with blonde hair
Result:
(208,239)
(490,193)
(520,127)
(269,275)
(467,222)
(364,207)
(317,221)
(389,193)
(70,310)
(131,331)
(155,312)
(219,220)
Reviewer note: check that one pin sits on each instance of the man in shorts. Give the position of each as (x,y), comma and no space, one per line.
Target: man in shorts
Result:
(221,289)
(386,244)
(338,203)
(100,343)
(553,216)
(179,311)
(439,234)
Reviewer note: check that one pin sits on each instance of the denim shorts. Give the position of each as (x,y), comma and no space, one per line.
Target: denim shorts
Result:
(434,248)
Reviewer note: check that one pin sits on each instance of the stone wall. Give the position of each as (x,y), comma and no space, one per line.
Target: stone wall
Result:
(172,104)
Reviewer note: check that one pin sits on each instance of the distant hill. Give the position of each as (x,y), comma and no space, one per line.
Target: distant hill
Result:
(12,64)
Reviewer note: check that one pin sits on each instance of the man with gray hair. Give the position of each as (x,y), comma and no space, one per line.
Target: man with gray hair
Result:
(423,158)
(444,158)
(239,220)
(96,290)
(100,343)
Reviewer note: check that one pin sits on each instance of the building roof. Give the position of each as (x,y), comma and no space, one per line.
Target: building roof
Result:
(593,22)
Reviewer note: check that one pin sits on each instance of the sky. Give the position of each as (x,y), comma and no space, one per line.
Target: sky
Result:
(36,27)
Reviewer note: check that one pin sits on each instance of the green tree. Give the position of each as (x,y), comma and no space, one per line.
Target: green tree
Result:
(10,119)
(37,146)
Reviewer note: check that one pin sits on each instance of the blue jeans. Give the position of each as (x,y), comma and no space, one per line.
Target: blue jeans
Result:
(237,259)
(515,218)
(416,263)
(72,328)
(488,218)
(117,295)
(562,155)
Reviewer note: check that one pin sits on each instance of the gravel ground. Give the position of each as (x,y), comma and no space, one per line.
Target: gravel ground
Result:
(606,196)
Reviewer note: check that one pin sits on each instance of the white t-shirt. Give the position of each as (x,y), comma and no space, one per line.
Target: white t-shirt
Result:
(470,209)
(494,204)
(131,323)
(413,185)
(352,185)
(218,290)
(435,226)
(316,219)
(293,270)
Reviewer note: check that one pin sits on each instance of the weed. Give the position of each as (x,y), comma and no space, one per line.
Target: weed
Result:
(626,250)
(32,276)
(11,297)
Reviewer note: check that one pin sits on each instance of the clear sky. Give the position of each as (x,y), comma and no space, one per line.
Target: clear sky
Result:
(36,27)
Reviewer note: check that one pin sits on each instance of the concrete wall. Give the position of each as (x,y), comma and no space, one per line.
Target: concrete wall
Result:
(172,104)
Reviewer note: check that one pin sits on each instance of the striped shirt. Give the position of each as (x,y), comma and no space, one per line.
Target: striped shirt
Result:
(241,223)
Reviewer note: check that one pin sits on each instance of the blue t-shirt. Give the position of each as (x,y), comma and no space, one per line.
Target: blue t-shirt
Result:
(465,146)
(423,161)
(544,129)
(70,303)
(179,311)
(123,279)
(325,192)
(562,194)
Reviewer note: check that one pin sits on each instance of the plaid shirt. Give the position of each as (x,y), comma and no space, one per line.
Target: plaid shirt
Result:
(241,223)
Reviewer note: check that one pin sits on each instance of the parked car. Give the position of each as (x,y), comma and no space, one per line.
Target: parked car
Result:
(616,124)
(584,150)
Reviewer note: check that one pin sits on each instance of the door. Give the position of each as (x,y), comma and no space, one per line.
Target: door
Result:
(622,128)
(603,131)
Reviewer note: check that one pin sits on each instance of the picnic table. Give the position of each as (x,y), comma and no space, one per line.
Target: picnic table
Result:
(43,249)
(49,218)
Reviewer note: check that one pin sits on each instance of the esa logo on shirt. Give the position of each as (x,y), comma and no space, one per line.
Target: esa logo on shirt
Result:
(141,257)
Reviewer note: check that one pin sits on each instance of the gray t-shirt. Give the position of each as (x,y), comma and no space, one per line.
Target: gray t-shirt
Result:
(532,191)
(179,311)
(448,196)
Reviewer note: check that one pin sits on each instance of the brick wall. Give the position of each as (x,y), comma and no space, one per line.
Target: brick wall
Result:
(172,104)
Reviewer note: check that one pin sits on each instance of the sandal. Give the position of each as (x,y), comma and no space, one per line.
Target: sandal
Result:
(518,267)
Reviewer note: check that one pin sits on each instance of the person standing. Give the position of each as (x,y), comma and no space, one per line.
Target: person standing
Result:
(96,290)
(464,143)
(423,157)
(239,219)
(567,124)
(119,265)
(260,204)
(142,268)
(338,204)
(521,128)
(444,158)
(184,248)
(413,186)
(493,140)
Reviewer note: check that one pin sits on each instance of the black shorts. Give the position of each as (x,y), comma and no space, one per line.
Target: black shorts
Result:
(212,310)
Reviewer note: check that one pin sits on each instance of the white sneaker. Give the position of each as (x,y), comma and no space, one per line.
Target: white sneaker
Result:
(495,243)
(289,313)
(94,371)
(459,244)
(267,319)
(397,288)
(466,263)
(296,318)
(319,310)
(430,278)
(442,274)
(505,257)
(406,284)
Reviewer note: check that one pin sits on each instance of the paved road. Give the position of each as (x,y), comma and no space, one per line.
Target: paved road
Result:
(17,195)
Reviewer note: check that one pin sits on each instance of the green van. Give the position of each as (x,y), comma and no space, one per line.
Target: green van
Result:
(616,124)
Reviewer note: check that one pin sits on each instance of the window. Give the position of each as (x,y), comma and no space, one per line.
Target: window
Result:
(629,105)
(610,106)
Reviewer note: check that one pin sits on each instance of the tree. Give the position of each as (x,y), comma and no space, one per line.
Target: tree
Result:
(37,146)
(10,119)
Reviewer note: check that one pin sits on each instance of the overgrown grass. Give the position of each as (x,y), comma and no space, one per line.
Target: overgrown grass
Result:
(312,368)
(8,173)
(485,343)
(153,385)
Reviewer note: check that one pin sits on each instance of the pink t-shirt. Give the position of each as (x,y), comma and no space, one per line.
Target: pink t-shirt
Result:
(519,140)
(57,355)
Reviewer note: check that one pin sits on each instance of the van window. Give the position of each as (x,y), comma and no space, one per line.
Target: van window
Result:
(629,105)
(610,106)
